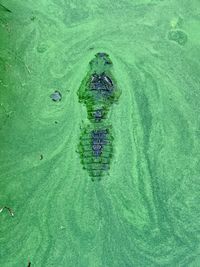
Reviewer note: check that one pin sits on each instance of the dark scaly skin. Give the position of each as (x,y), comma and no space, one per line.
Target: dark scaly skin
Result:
(96,149)
(98,89)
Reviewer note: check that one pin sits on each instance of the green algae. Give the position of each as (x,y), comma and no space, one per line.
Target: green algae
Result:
(178,36)
(146,213)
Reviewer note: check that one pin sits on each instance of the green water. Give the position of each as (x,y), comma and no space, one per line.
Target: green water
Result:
(146,212)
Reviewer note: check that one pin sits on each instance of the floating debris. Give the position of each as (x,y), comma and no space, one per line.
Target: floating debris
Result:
(56,96)
(9,209)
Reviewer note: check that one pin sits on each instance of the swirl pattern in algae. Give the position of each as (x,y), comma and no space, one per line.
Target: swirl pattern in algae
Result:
(146,212)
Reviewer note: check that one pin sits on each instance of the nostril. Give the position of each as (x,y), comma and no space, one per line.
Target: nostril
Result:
(101,54)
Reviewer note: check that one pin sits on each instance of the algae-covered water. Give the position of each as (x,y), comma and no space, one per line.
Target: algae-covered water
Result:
(146,212)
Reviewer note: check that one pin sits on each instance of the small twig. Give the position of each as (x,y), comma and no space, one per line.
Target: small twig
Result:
(9,209)
(29,264)
(29,71)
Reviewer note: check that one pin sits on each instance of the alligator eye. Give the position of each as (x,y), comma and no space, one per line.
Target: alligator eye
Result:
(107,62)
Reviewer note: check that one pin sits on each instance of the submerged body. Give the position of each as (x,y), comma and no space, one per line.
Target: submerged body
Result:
(96,150)
(98,91)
